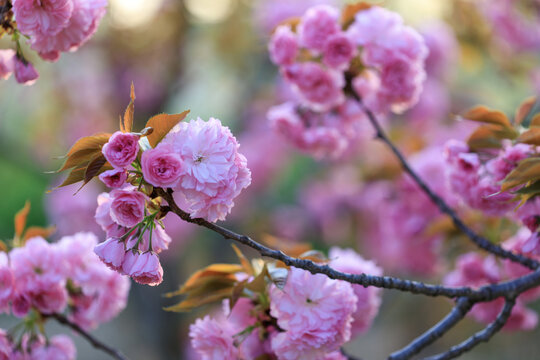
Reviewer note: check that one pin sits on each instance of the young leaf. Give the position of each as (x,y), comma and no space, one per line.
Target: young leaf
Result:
(20,219)
(195,301)
(531,189)
(94,167)
(490,136)
(84,150)
(127,124)
(527,170)
(34,231)
(245,262)
(531,136)
(74,176)
(161,125)
(485,115)
(524,109)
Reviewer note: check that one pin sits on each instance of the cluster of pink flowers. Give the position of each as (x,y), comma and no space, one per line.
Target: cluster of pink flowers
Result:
(199,160)
(475,271)
(55,278)
(310,318)
(56,26)
(317,60)
(58,347)
(476,178)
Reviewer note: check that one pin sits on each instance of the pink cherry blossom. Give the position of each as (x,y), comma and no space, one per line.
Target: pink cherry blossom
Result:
(25,73)
(7,283)
(316,25)
(43,17)
(369,298)
(315,312)
(338,51)
(162,166)
(111,252)
(214,172)
(6,346)
(212,339)
(60,347)
(103,212)
(82,25)
(283,46)
(507,160)
(371,24)
(127,206)
(143,268)
(121,149)
(114,178)
(7,63)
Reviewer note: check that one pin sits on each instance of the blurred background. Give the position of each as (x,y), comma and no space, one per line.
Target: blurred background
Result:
(210,56)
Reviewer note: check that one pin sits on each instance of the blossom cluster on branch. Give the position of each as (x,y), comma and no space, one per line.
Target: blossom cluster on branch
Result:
(51,27)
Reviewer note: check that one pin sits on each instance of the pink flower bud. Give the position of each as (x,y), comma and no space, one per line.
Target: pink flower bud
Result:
(114,178)
(143,268)
(127,207)
(162,166)
(283,46)
(112,253)
(7,63)
(122,149)
(25,73)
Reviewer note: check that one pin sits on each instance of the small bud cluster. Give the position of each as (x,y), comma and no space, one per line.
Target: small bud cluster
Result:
(325,57)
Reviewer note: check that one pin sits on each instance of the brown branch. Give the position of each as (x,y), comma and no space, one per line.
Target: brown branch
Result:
(481,336)
(480,241)
(90,338)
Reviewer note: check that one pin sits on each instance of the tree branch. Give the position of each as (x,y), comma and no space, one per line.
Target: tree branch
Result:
(462,307)
(91,339)
(481,336)
(480,241)
(485,293)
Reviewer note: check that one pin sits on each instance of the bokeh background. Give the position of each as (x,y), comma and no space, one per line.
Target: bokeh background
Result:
(209,56)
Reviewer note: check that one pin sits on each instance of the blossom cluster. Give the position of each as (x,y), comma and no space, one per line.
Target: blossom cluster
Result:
(52,27)
(310,317)
(55,278)
(198,160)
(323,59)
(475,271)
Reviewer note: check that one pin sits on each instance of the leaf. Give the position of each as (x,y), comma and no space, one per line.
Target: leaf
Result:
(531,136)
(489,136)
(243,260)
(161,125)
(258,284)
(291,249)
(531,189)
(192,302)
(20,219)
(74,176)
(292,22)
(84,150)
(349,12)
(527,170)
(94,167)
(34,231)
(3,246)
(237,291)
(535,121)
(485,115)
(524,109)
(127,124)
(218,270)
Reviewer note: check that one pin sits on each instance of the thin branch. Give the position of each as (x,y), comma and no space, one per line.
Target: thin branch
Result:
(486,293)
(441,204)
(481,336)
(462,307)
(90,338)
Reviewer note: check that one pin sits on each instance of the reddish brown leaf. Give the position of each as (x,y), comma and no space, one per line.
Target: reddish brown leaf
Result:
(161,125)
(94,167)
(192,302)
(527,170)
(243,260)
(3,246)
(485,115)
(76,175)
(127,124)
(292,22)
(84,150)
(490,136)
(524,109)
(531,136)
(20,219)
(535,121)
(34,231)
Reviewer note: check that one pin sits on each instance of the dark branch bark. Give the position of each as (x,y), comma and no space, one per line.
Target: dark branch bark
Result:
(462,307)
(481,336)
(91,339)
(480,241)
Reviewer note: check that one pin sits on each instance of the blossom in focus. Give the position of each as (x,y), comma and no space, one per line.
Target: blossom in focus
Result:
(214,171)
(121,149)
(315,312)
(114,178)
(44,17)
(144,268)
(127,206)
(161,166)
